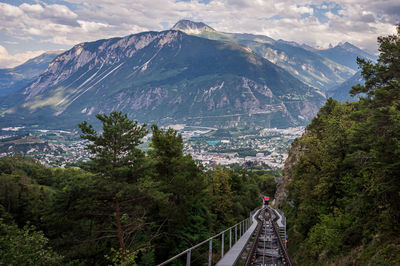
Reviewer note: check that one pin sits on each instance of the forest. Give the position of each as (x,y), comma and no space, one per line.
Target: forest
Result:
(124,207)
(344,190)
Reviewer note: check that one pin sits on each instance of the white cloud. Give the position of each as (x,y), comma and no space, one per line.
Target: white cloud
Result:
(8,61)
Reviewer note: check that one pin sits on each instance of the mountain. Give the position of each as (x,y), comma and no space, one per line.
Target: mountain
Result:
(12,79)
(164,77)
(302,62)
(342,92)
(346,54)
(309,67)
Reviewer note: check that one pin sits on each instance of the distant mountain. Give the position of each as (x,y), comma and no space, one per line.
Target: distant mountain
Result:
(346,54)
(12,79)
(342,92)
(301,61)
(309,67)
(164,77)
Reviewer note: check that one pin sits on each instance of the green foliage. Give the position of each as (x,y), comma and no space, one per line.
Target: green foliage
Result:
(267,184)
(345,186)
(326,236)
(125,206)
(116,258)
(116,148)
(25,246)
(221,201)
(185,213)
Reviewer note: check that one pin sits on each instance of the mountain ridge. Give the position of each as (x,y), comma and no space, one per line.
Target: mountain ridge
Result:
(304,63)
(346,54)
(166,77)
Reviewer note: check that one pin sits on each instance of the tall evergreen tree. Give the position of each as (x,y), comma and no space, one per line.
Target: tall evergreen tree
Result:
(120,200)
(186,212)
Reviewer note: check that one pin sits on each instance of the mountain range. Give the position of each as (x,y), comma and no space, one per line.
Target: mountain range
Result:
(190,74)
(319,68)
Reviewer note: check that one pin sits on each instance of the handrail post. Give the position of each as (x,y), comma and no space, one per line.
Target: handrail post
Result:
(230,238)
(235,233)
(210,253)
(222,244)
(188,257)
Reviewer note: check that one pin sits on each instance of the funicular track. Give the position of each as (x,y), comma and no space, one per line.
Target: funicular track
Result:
(267,247)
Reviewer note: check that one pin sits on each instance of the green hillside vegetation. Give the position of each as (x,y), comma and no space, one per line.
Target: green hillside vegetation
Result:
(344,200)
(125,207)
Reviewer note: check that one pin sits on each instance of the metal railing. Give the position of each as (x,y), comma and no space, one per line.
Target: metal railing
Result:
(238,229)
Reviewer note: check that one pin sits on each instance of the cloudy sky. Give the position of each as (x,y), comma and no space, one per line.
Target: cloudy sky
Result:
(28,28)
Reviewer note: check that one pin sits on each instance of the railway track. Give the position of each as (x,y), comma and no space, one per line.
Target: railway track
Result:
(267,247)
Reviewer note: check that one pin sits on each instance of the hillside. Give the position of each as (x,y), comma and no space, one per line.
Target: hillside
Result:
(340,189)
(165,77)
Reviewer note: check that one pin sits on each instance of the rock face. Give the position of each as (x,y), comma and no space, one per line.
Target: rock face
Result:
(164,77)
(281,195)
(191,27)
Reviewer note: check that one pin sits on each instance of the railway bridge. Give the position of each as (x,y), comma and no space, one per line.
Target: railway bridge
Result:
(257,240)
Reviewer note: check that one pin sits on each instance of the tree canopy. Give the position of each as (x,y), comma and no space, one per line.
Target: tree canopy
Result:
(344,189)
(124,207)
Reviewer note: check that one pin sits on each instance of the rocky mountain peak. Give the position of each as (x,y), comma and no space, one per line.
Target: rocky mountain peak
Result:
(191,27)
(347,46)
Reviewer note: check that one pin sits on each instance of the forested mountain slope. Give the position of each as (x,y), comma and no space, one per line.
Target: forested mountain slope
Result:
(343,175)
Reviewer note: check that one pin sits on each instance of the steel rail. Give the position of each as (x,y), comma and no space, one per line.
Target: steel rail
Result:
(272,217)
(283,249)
(253,249)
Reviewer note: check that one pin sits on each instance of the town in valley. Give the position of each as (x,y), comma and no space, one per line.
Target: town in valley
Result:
(246,147)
